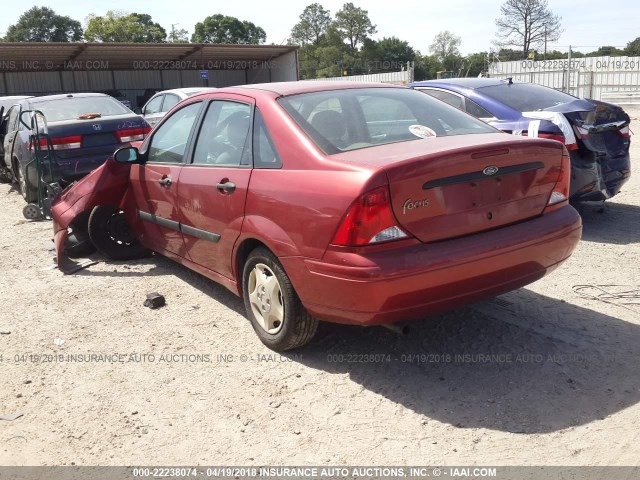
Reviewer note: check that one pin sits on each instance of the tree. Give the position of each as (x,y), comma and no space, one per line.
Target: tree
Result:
(526,24)
(633,48)
(224,29)
(313,23)
(354,25)
(179,35)
(117,26)
(42,24)
(445,45)
(607,51)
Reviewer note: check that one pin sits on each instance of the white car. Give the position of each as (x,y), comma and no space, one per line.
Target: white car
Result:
(158,105)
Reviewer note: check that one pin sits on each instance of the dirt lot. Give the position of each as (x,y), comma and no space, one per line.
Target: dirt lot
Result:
(562,387)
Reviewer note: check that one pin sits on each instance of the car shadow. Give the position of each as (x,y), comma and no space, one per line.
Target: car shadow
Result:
(521,363)
(610,222)
(160,265)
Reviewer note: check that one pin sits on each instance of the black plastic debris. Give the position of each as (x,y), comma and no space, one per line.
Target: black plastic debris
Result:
(154,300)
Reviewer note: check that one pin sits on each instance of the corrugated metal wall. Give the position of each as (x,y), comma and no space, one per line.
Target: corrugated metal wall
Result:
(400,78)
(133,83)
(590,77)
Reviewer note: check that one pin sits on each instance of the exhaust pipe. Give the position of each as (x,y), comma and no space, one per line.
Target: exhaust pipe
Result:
(395,328)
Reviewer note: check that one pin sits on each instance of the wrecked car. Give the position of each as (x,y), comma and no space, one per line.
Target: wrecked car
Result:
(353,203)
(595,133)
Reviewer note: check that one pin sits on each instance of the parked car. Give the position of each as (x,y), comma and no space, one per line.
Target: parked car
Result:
(595,133)
(338,201)
(5,105)
(158,105)
(84,129)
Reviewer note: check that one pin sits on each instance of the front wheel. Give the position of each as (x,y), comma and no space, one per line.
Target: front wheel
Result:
(272,305)
(110,233)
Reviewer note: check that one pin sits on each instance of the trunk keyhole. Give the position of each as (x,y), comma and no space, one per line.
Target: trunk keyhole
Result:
(489,215)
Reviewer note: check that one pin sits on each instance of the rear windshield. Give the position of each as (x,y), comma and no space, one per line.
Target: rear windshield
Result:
(72,108)
(526,97)
(343,120)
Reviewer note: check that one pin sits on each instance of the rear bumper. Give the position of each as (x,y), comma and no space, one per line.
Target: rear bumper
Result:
(598,181)
(424,279)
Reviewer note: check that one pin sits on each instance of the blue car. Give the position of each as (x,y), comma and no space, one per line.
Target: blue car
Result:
(595,133)
(84,129)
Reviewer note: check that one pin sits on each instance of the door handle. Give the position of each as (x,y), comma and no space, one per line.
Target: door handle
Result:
(165,181)
(226,187)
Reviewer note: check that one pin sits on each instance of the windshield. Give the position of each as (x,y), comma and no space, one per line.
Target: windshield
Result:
(73,108)
(526,97)
(343,120)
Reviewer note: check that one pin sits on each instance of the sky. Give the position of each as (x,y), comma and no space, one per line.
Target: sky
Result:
(587,23)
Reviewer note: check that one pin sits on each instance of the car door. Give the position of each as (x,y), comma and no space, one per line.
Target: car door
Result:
(11,133)
(152,111)
(154,183)
(213,187)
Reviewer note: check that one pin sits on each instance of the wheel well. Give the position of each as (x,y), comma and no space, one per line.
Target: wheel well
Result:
(247,246)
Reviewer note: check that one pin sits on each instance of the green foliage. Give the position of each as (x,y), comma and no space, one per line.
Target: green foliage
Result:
(314,21)
(116,26)
(42,24)
(225,29)
(633,48)
(178,35)
(606,51)
(354,25)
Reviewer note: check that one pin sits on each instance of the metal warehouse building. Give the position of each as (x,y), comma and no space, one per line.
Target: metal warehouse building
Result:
(136,69)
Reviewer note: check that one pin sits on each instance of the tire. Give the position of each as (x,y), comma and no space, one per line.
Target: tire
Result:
(110,233)
(78,243)
(29,195)
(272,304)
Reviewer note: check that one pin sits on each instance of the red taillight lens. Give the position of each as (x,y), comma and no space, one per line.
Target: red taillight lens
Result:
(132,134)
(369,220)
(62,143)
(560,192)
(558,138)
(625,132)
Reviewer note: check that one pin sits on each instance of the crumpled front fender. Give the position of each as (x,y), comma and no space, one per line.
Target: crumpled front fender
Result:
(106,185)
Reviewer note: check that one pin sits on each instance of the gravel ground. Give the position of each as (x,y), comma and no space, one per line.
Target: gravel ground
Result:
(548,374)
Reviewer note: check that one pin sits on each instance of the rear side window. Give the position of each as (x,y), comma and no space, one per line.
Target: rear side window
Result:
(476,110)
(264,151)
(350,119)
(526,97)
(170,101)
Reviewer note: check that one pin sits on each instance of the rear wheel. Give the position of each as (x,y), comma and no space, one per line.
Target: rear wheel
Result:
(272,305)
(110,233)
(29,194)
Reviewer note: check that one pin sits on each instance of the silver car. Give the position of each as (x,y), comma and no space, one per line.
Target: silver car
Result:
(158,105)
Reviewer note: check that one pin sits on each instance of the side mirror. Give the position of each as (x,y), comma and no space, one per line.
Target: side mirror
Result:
(127,155)
(138,110)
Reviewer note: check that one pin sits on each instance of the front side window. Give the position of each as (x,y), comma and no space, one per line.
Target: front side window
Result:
(169,141)
(12,119)
(369,117)
(223,134)
(153,106)
(450,98)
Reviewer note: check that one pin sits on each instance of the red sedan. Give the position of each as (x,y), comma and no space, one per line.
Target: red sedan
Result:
(344,202)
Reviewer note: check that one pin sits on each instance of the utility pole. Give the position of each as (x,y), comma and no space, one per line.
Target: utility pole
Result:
(173,32)
(569,72)
(545,42)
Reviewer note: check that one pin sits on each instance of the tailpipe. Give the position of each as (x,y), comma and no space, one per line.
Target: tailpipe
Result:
(395,328)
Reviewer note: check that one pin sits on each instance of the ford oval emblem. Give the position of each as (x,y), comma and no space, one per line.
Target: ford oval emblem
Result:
(490,170)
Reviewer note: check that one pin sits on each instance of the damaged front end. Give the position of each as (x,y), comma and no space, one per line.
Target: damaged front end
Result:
(106,185)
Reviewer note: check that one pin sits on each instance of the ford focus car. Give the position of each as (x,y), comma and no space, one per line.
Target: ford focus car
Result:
(353,203)
(595,133)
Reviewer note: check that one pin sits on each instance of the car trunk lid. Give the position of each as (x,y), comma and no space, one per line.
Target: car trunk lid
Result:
(465,184)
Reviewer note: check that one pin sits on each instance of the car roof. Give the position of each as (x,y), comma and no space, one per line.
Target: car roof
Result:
(305,86)
(66,95)
(188,90)
(16,97)
(470,83)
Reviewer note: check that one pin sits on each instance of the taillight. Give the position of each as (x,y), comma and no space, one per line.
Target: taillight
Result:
(560,192)
(558,138)
(132,134)
(61,143)
(624,132)
(369,220)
